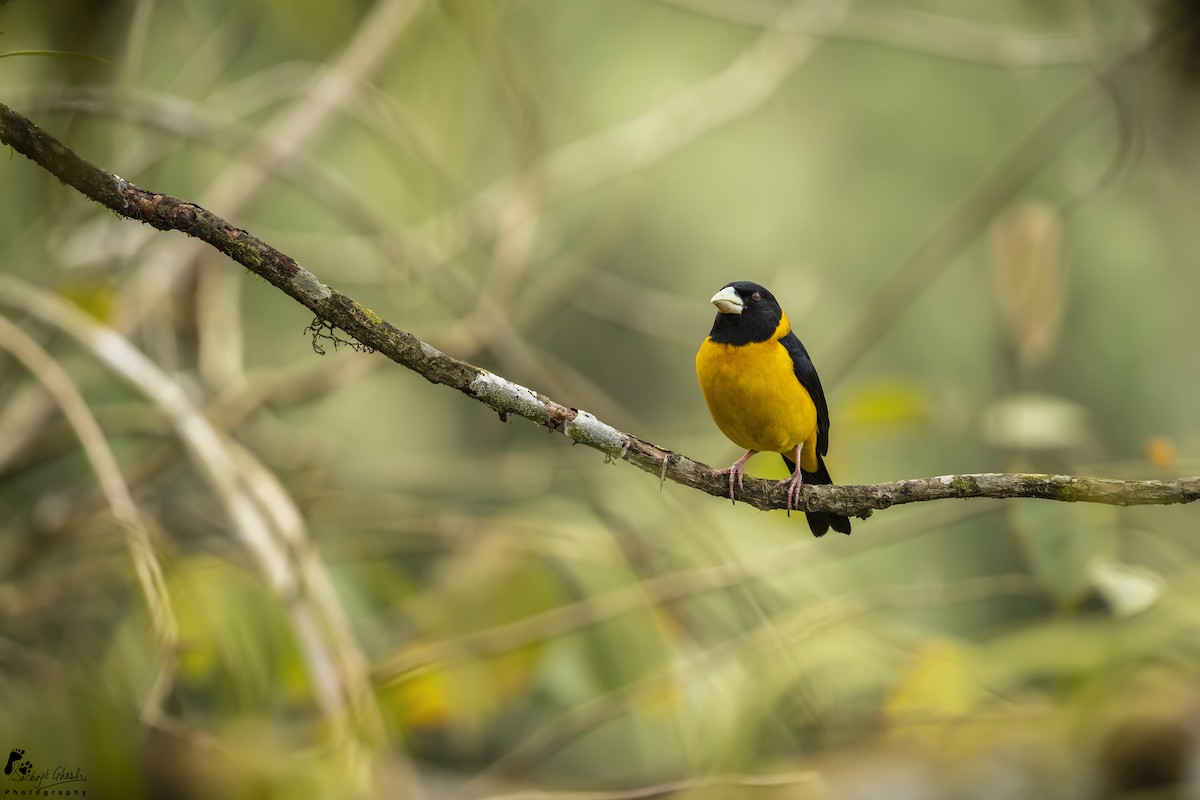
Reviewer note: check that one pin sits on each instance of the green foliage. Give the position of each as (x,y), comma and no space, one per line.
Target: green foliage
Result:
(364,569)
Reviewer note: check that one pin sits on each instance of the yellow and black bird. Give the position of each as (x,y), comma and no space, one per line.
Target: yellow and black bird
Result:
(764,394)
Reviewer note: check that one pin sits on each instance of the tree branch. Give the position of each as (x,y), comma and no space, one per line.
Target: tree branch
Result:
(505,397)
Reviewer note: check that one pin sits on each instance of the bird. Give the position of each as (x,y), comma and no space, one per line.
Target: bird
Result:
(763,392)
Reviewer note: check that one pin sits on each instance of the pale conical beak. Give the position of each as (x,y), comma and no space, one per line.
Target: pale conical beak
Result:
(727,301)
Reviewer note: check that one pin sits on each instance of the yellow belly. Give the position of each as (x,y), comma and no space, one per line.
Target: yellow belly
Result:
(755,398)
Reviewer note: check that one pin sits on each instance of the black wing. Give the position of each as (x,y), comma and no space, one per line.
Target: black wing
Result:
(806,373)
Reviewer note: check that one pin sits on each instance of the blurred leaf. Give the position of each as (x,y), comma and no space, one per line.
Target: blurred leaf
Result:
(128,672)
(471,592)
(1030,278)
(314,27)
(235,642)
(97,297)
(940,683)
(458,697)
(1066,651)
(566,670)
(1035,422)
(1159,451)
(477,20)
(1130,590)
(1061,542)
(888,403)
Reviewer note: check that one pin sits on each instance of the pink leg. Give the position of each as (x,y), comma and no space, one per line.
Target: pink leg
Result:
(794,483)
(736,470)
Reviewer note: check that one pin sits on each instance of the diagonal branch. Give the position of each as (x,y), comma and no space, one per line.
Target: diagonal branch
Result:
(336,310)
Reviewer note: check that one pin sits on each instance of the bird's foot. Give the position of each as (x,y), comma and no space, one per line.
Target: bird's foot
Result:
(795,485)
(735,471)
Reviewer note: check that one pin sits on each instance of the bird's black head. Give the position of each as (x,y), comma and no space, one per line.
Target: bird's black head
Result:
(746,312)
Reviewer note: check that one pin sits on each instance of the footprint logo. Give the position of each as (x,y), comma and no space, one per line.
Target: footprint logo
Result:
(13,758)
(24,767)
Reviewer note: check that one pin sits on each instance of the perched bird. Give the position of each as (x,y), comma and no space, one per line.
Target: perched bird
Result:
(764,394)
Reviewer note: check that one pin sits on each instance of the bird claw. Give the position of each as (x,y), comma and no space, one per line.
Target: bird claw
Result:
(735,472)
(795,485)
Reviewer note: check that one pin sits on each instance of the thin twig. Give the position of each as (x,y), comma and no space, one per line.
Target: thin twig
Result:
(66,395)
(937,252)
(937,35)
(539,745)
(800,784)
(262,517)
(336,310)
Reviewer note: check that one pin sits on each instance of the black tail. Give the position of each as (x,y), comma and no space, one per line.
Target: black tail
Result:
(819,522)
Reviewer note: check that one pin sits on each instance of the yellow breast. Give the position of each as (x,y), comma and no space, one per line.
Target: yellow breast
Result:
(754,396)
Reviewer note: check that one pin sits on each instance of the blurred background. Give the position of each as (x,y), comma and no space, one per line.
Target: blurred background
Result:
(231,566)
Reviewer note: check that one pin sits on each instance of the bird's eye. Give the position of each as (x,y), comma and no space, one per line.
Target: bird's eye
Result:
(756,297)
